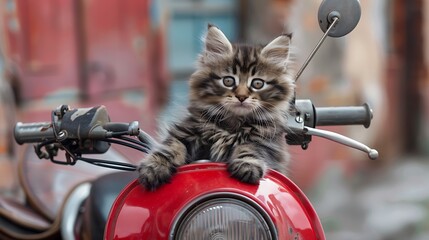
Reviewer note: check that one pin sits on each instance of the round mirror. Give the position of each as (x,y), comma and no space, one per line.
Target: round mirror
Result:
(347,11)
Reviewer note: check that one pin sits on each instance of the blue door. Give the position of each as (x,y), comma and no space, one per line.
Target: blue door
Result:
(188,23)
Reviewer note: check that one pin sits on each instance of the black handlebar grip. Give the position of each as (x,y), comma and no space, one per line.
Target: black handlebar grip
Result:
(33,132)
(330,116)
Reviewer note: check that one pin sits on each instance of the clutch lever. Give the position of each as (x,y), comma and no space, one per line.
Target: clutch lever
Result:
(372,153)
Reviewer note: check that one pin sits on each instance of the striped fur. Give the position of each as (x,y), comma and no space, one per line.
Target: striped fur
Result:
(239,101)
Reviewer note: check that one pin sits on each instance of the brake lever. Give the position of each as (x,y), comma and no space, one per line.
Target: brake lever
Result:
(300,130)
(372,153)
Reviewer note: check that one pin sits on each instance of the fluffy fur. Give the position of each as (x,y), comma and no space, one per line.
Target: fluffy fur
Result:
(239,101)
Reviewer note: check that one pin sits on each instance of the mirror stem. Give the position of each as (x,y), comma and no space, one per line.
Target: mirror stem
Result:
(331,26)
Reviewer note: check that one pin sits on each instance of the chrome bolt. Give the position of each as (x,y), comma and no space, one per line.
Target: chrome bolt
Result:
(62,135)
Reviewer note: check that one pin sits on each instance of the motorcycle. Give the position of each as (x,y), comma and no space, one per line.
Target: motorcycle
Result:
(202,201)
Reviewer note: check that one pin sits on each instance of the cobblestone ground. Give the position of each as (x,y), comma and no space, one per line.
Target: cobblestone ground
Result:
(392,204)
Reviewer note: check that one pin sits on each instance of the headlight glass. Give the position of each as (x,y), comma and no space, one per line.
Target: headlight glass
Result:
(224,218)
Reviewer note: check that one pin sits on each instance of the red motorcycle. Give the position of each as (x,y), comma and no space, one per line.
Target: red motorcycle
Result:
(202,201)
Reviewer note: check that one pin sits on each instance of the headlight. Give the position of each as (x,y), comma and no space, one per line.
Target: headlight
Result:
(224,218)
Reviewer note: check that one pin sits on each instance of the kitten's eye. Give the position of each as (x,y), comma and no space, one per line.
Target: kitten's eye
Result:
(257,83)
(228,81)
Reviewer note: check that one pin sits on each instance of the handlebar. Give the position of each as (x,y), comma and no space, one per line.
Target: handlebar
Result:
(89,130)
(307,114)
(33,132)
(305,117)
(43,131)
(94,122)
(82,131)
(330,116)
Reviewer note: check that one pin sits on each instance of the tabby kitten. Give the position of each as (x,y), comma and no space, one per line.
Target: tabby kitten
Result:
(239,100)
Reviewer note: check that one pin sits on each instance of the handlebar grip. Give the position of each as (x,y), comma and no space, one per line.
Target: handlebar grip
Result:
(329,116)
(33,132)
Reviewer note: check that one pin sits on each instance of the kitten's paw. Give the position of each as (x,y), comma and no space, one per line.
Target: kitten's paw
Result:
(248,170)
(154,171)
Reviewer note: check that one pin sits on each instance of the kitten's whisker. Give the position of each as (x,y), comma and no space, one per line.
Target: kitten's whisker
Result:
(267,122)
(219,113)
(215,112)
(209,115)
(260,121)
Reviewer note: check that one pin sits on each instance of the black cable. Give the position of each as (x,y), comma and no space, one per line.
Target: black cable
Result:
(42,144)
(109,164)
(135,141)
(127,144)
(121,140)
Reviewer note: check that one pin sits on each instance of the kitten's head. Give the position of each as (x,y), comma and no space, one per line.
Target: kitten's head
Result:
(242,80)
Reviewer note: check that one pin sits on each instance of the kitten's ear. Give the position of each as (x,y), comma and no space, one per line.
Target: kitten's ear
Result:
(216,43)
(277,51)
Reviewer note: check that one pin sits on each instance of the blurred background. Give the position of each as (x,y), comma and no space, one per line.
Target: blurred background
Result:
(135,56)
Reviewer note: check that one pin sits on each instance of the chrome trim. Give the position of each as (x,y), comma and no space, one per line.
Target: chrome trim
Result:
(223,195)
(71,210)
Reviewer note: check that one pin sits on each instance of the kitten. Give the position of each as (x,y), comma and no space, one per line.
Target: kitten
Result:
(239,100)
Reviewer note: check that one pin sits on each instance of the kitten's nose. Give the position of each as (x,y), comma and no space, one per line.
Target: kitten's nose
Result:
(241,98)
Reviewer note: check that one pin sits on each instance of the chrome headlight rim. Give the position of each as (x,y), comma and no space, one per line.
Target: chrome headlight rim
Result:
(244,201)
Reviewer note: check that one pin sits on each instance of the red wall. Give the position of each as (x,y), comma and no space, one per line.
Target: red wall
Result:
(93,46)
